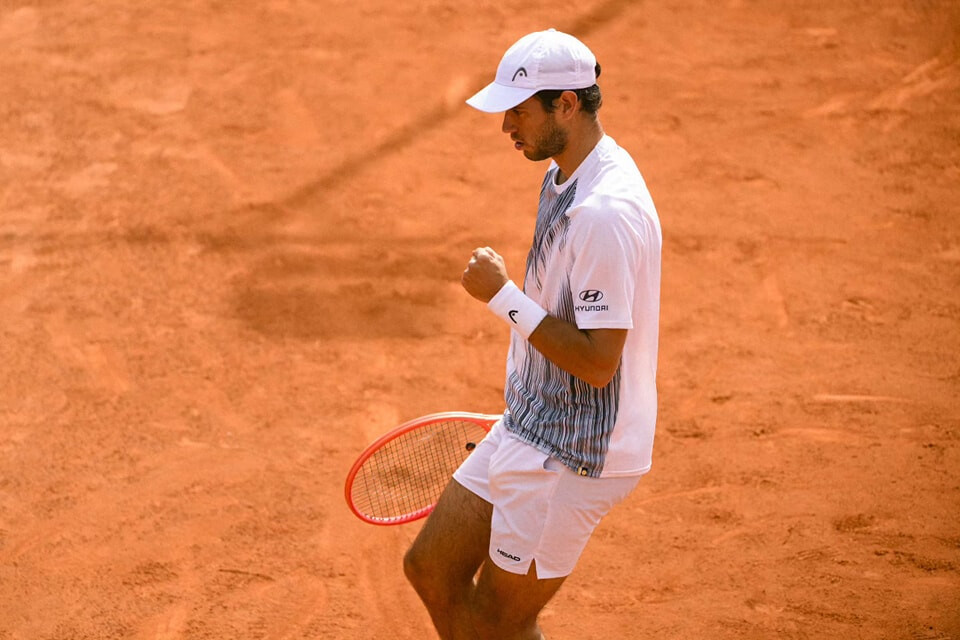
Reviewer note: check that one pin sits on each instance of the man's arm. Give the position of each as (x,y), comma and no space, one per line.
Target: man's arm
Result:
(593,355)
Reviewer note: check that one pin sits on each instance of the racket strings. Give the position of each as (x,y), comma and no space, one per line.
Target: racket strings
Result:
(402,476)
(407,474)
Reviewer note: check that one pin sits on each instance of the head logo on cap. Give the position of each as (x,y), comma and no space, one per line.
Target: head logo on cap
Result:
(519,72)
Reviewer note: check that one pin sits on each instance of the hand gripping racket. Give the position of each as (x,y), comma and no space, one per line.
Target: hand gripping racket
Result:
(400,476)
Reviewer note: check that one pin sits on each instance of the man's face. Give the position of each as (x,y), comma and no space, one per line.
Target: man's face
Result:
(534,130)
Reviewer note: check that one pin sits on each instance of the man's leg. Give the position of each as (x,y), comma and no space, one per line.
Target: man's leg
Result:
(441,565)
(445,557)
(506,605)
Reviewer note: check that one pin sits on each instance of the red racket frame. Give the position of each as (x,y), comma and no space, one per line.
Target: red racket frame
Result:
(484,420)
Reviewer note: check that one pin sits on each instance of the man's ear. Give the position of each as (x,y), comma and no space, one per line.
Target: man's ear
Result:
(567,104)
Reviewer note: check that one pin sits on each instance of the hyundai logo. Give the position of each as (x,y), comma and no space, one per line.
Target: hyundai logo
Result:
(591,295)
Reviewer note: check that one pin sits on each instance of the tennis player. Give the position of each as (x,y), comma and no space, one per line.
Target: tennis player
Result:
(580,390)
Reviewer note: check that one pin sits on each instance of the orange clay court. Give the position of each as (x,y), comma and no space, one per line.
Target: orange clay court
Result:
(231,237)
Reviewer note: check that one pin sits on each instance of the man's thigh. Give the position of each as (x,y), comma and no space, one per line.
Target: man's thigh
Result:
(509,602)
(455,539)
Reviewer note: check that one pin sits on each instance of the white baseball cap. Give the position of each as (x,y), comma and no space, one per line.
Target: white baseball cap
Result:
(541,60)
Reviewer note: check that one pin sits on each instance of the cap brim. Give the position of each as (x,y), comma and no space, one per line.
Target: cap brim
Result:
(495,98)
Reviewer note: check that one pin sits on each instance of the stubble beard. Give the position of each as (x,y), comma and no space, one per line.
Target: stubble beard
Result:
(551,141)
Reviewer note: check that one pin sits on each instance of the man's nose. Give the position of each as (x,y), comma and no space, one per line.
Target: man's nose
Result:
(509,126)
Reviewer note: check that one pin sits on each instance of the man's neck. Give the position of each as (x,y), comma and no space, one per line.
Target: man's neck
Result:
(581,144)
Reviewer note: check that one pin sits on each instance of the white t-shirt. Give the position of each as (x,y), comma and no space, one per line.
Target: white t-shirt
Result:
(595,261)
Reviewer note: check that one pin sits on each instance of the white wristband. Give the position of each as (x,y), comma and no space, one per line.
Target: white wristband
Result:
(516,309)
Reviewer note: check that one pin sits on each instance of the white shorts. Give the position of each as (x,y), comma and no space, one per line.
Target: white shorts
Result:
(542,510)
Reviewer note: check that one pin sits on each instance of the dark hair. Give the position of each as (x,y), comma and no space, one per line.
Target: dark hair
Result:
(589,98)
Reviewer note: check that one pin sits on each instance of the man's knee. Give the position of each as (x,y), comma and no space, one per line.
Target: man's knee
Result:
(428,578)
(416,567)
(495,617)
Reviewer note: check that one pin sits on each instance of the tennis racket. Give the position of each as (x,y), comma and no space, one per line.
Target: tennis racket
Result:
(400,476)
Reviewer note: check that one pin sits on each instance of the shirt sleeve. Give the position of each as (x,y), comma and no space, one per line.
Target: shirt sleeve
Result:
(606,254)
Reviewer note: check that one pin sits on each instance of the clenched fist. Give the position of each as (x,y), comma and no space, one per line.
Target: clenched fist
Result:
(485,274)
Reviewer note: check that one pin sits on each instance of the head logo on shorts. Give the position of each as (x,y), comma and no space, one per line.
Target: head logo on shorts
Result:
(519,72)
(508,555)
(591,295)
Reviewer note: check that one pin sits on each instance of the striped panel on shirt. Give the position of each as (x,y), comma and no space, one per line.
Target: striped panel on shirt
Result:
(547,407)
(552,221)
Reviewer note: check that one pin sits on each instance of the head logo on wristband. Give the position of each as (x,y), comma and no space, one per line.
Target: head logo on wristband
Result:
(512,305)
